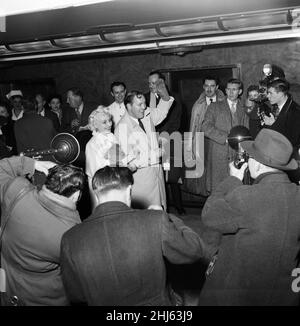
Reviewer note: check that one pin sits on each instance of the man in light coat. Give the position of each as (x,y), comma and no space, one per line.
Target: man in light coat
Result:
(218,121)
(137,137)
(211,94)
(259,253)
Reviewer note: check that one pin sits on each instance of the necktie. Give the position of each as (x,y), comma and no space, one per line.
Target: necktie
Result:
(211,100)
(77,113)
(232,108)
(275,111)
(141,125)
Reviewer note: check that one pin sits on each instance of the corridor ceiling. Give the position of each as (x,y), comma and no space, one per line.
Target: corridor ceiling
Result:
(167,26)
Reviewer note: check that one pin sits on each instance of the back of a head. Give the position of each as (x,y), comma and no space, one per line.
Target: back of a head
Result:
(111,178)
(29,104)
(65,180)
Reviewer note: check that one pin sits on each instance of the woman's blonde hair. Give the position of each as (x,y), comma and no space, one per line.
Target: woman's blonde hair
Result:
(96,117)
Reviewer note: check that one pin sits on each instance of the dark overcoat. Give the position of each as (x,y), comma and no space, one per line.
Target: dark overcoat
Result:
(116,257)
(260,244)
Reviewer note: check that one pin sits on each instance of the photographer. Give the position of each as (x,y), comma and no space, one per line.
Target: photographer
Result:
(252,107)
(260,226)
(286,118)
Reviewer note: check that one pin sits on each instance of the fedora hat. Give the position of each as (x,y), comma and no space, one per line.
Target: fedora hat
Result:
(271,148)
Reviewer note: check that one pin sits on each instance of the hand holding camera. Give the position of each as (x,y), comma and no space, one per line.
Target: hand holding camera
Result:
(237,172)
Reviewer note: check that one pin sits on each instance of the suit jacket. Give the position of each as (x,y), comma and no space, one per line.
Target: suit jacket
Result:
(216,126)
(116,256)
(9,135)
(260,245)
(69,114)
(288,122)
(54,118)
(33,132)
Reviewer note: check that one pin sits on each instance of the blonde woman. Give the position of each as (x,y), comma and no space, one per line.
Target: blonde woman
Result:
(102,149)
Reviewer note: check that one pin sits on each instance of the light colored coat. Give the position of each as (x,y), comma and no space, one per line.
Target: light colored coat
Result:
(149,186)
(199,185)
(216,125)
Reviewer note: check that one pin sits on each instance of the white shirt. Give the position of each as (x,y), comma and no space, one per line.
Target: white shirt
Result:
(232,105)
(80,108)
(117,111)
(42,113)
(14,117)
(208,99)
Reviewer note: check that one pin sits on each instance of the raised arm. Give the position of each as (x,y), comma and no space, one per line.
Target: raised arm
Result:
(160,113)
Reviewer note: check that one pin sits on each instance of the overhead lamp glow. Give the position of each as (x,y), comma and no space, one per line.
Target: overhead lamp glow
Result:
(15,7)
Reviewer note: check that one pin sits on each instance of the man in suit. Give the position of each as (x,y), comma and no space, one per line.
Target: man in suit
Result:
(219,118)
(169,125)
(286,117)
(117,108)
(137,137)
(44,111)
(117,256)
(75,117)
(75,120)
(260,226)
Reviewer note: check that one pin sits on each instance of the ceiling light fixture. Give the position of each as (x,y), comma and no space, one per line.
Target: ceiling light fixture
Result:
(16,7)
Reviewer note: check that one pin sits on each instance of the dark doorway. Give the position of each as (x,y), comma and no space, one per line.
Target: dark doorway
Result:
(188,84)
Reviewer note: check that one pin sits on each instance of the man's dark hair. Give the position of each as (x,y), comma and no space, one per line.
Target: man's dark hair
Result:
(16,96)
(235,81)
(252,88)
(76,91)
(117,83)
(210,77)
(29,104)
(156,72)
(111,178)
(65,180)
(130,96)
(41,95)
(280,85)
(51,97)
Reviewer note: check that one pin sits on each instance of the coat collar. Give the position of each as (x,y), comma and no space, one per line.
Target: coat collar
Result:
(278,176)
(59,205)
(109,208)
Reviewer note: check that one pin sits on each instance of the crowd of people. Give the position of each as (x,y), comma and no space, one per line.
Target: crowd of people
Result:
(98,231)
